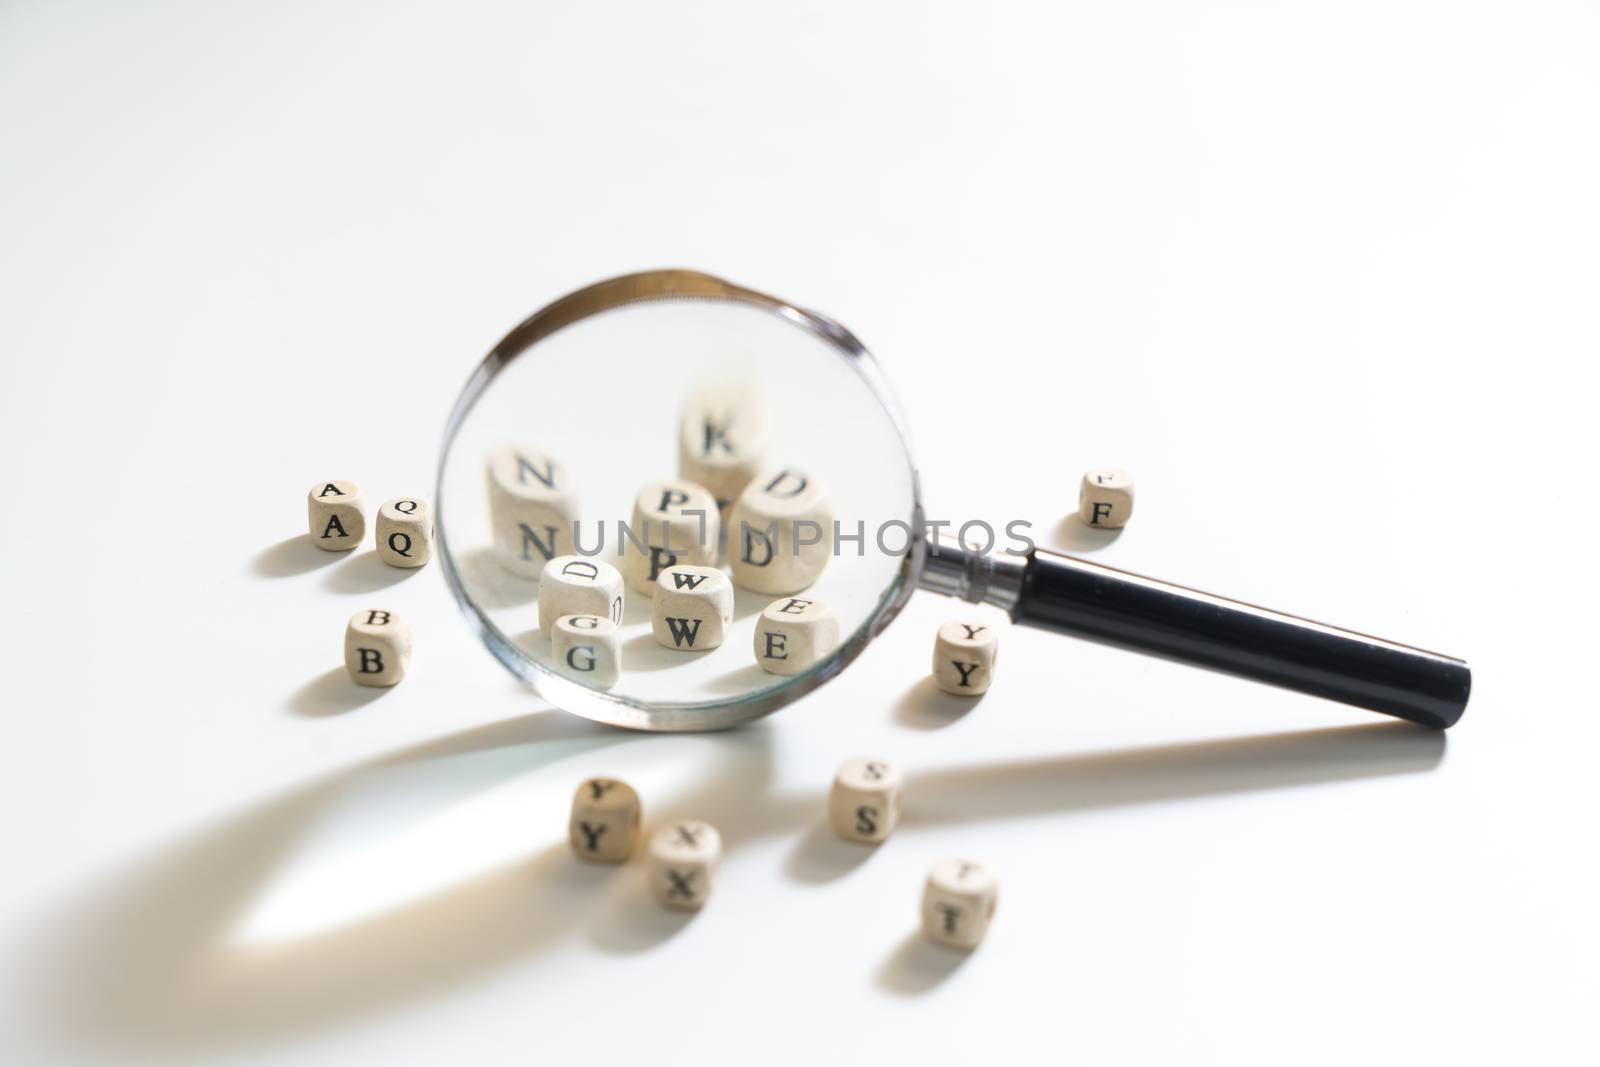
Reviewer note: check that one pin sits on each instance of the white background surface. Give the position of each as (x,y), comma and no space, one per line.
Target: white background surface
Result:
(1322,275)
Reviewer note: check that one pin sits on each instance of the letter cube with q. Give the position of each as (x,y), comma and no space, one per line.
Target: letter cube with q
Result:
(405,532)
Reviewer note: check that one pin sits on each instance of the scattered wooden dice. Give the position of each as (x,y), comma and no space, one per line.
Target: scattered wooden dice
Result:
(587,649)
(405,532)
(963,657)
(333,516)
(684,857)
(605,820)
(780,532)
(573,585)
(957,902)
(693,608)
(377,647)
(533,503)
(864,803)
(1105,499)
(793,634)
(674,522)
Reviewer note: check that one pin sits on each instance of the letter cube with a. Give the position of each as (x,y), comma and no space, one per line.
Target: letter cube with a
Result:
(676,522)
(794,633)
(1105,499)
(405,532)
(957,902)
(333,515)
(684,857)
(605,820)
(573,585)
(377,647)
(587,649)
(964,654)
(692,609)
(533,502)
(780,532)
(864,803)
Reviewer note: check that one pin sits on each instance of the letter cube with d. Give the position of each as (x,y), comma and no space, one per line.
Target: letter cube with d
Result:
(864,804)
(963,657)
(377,647)
(957,902)
(684,857)
(333,515)
(1105,499)
(780,532)
(794,633)
(692,609)
(573,585)
(587,649)
(605,820)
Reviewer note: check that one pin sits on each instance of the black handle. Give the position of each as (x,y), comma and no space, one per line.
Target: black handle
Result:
(1103,604)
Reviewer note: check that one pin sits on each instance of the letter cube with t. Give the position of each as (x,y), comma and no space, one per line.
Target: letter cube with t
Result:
(377,647)
(683,863)
(780,532)
(334,516)
(673,522)
(605,820)
(572,585)
(795,633)
(963,657)
(533,503)
(692,608)
(1105,499)
(864,804)
(722,442)
(405,532)
(958,902)
(587,649)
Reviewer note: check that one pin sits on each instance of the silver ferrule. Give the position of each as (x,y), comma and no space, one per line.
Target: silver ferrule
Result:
(978,578)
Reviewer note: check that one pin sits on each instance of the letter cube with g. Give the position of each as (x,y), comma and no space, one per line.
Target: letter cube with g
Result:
(333,515)
(684,857)
(957,902)
(533,502)
(780,532)
(605,820)
(572,585)
(864,803)
(377,647)
(1105,499)
(587,649)
(963,657)
(692,609)
(794,633)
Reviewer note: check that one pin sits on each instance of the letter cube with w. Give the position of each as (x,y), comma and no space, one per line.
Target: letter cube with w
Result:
(693,608)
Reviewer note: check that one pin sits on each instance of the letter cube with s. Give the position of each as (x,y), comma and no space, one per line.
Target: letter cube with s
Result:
(795,633)
(605,820)
(864,803)
(377,647)
(692,609)
(587,649)
(573,585)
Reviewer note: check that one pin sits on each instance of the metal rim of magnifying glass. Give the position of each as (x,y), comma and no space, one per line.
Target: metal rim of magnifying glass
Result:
(604,707)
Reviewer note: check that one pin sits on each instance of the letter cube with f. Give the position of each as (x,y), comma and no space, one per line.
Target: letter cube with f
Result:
(333,515)
(605,820)
(957,902)
(1105,499)
(684,857)
(377,647)
(963,657)
(795,633)
(692,609)
(572,585)
(587,649)
(864,804)
(533,502)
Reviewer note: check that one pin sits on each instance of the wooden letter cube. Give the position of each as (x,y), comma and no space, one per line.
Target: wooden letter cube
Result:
(794,633)
(692,609)
(533,503)
(958,902)
(683,863)
(963,657)
(573,585)
(673,522)
(1106,498)
(864,804)
(605,820)
(333,513)
(780,533)
(587,649)
(377,647)
(722,442)
(405,532)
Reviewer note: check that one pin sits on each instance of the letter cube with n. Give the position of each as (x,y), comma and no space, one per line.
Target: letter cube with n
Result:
(957,902)
(605,820)
(533,503)
(684,857)
(963,657)
(333,513)
(587,649)
(692,609)
(1105,499)
(794,633)
(864,804)
(780,532)
(572,585)
(377,647)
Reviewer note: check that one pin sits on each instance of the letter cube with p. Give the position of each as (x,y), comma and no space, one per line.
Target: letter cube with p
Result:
(674,522)
(377,647)
(692,609)
(572,585)
(587,649)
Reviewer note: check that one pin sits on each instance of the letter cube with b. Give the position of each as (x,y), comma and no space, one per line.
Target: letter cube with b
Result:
(963,657)
(780,532)
(864,803)
(572,585)
(692,608)
(675,522)
(1105,499)
(605,820)
(957,902)
(587,649)
(333,515)
(684,857)
(795,633)
(533,502)
(405,532)
(377,647)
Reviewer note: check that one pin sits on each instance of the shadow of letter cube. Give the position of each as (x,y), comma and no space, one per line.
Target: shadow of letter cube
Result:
(1105,499)
(333,516)
(693,608)
(864,803)
(780,533)
(587,649)
(684,857)
(377,647)
(963,657)
(957,902)
(794,633)
(605,820)
(405,532)
(573,585)
(533,503)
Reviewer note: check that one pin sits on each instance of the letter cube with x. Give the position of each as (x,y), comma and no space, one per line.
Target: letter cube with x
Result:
(683,863)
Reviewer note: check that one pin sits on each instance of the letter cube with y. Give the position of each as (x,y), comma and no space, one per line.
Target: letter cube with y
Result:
(377,647)
(587,649)
(1106,498)
(405,532)
(958,902)
(533,502)
(676,522)
(333,512)
(692,608)
(722,442)
(864,804)
(572,585)
(605,820)
(794,633)
(963,657)
(683,863)
(780,532)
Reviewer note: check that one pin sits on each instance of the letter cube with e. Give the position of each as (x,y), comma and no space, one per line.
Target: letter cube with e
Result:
(333,514)
(958,902)
(963,657)
(605,820)
(722,442)
(587,649)
(864,803)
(572,585)
(405,532)
(377,647)
(675,522)
(533,502)
(692,608)
(780,532)
(684,857)
(1105,499)
(794,633)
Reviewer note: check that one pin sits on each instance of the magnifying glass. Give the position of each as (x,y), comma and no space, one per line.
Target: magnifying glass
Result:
(649,392)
